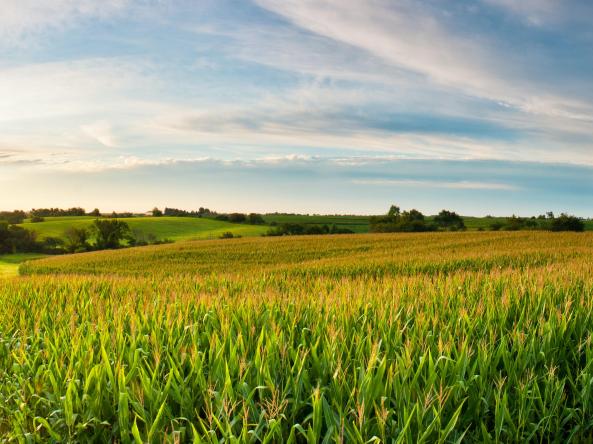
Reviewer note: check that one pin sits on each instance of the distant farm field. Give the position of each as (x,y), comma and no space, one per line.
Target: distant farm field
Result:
(357,224)
(174,228)
(433,337)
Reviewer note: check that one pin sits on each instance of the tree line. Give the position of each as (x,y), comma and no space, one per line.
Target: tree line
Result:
(414,221)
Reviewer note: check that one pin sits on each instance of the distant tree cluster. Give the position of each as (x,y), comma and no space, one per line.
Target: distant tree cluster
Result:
(241,218)
(564,222)
(122,215)
(567,223)
(13,217)
(55,212)
(398,221)
(296,229)
(15,239)
(202,212)
(449,220)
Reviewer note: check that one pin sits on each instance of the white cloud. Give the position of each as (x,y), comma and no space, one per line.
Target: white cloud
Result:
(102,132)
(410,35)
(20,20)
(459,185)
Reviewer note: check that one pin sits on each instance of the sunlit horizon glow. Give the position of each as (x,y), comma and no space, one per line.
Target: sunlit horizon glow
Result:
(314,106)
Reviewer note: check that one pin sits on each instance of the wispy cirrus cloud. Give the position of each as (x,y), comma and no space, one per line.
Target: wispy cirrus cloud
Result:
(422,38)
(21,21)
(458,185)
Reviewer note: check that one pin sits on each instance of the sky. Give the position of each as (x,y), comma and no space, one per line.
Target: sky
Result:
(310,106)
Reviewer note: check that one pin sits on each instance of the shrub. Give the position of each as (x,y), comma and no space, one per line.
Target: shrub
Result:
(255,219)
(76,240)
(449,220)
(237,218)
(567,223)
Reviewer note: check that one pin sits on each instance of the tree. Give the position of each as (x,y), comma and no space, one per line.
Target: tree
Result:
(109,233)
(567,223)
(395,221)
(95,213)
(15,239)
(13,217)
(394,211)
(237,218)
(412,215)
(255,219)
(156,212)
(449,220)
(76,240)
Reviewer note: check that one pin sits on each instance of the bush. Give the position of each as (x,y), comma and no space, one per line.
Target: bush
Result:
(52,245)
(36,219)
(297,229)
(449,220)
(515,223)
(255,219)
(567,223)
(496,226)
(237,218)
(227,235)
(15,239)
(76,240)
(13,217)
(156,212)
(408,221)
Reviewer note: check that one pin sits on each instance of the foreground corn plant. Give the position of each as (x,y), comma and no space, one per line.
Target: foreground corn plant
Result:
(482,337)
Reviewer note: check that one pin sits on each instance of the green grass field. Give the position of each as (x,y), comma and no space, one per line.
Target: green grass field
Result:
(174,228)
(9,263)
(358,224)
(431,337)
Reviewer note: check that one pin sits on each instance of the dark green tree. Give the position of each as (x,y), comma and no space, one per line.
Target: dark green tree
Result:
(449,220)
(109,233)
(567,223)
(394,211)
(156,212)
(76,240)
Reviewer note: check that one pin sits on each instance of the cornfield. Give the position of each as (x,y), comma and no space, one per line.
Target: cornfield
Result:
(440,337)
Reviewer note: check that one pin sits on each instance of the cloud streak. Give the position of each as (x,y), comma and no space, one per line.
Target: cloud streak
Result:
(460,185)
(23,20)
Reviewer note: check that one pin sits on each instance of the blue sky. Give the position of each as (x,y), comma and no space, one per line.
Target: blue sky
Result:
(327,106)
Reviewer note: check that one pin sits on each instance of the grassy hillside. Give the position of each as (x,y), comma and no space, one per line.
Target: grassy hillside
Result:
(174,228)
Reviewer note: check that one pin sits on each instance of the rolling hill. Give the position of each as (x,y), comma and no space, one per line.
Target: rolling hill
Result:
(174,228)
